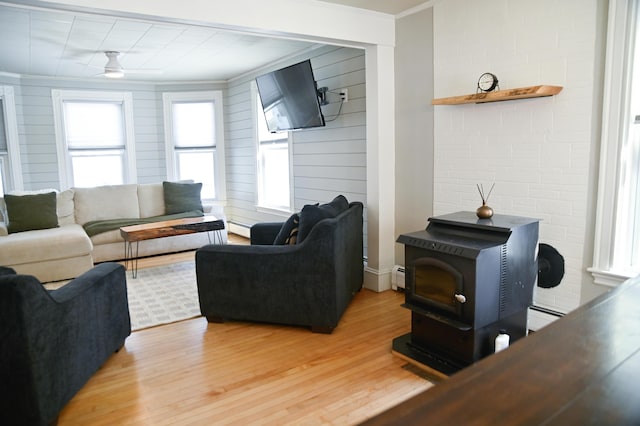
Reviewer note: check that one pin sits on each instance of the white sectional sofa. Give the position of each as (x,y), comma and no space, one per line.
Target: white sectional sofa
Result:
(66,251)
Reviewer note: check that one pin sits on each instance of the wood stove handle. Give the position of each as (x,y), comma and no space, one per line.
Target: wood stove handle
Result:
(460,298)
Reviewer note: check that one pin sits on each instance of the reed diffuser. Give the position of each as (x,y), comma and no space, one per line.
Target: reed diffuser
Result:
(484,211)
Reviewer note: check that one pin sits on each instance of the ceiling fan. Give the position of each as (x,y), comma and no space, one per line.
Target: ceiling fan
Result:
(113,68)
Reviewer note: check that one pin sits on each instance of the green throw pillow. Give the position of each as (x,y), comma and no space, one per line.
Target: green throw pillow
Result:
(181,197)
(30,212)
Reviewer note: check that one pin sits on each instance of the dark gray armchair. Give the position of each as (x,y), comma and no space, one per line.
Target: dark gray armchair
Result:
(52,342)
(308,284)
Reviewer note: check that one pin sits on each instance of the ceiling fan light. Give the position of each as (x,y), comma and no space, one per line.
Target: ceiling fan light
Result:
(113,69)
(113,73)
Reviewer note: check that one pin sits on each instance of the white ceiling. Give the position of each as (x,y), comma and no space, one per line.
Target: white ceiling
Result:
(64,44)
(392,7)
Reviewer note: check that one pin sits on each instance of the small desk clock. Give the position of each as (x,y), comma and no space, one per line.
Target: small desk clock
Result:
(487,82)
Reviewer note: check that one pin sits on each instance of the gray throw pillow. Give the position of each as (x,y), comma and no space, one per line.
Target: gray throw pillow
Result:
(289,232)
(312,214)
(31,212)
(181,197)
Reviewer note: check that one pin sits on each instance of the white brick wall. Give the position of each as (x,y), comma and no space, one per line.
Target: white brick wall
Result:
(537,151)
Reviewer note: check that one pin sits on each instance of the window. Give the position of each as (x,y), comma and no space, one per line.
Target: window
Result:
(94,134)
(617,236)
(274,186)
(10,166)
(195,140)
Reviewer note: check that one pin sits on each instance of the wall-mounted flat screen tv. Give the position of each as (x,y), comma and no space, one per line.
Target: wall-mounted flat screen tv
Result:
(290,98)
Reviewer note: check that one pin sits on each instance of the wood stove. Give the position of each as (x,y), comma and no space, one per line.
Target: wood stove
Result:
(466,279)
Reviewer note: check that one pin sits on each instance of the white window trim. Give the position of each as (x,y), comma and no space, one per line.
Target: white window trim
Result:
(64,160)
(219,160)
(622,14)
(256,135)
(271,210)
(13,144)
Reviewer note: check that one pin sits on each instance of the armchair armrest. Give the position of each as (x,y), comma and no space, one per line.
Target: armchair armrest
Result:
(264,233)
(3,229)
(108,278)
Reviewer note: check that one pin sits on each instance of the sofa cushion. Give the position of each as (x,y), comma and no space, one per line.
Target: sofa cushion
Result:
(31,212)
(44,245)
(181,197)
(106,202)
(65,207)
(151,199)
(312,214)
(289,232)
(3,210)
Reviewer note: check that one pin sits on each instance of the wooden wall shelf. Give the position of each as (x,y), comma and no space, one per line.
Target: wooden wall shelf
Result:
(500,95)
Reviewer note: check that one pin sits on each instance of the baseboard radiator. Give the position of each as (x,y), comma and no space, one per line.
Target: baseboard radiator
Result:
(239,229)
(397,277)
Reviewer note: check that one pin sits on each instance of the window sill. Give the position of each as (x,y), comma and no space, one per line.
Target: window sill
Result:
(271,210)
(608,278)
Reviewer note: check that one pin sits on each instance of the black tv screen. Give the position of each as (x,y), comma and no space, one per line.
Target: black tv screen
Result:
(290,98)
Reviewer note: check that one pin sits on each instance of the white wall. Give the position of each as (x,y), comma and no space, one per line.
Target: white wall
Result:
(327,161)
(538,152)
(36,132)
(414,124)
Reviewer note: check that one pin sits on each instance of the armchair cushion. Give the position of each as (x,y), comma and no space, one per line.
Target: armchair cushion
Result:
(264,233)
(312,214)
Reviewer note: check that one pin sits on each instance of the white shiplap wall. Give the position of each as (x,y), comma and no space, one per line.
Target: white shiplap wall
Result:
(537,151)
(326,161)
(36,125)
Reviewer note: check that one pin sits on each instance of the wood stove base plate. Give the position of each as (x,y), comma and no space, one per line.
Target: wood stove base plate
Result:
(430,362)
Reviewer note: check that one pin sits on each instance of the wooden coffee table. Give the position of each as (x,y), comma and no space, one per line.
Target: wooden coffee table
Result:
(167,228)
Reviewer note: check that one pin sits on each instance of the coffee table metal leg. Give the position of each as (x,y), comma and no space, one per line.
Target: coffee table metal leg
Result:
(130,258)
(134,269)
(126,255)
(217,236)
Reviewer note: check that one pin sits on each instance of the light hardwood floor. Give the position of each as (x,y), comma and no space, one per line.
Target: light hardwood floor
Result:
(192,372)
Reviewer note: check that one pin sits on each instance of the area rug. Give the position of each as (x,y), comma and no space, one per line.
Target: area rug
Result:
(159,295)
(163,295)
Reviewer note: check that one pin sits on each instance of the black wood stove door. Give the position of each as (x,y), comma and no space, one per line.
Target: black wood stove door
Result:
(436,284)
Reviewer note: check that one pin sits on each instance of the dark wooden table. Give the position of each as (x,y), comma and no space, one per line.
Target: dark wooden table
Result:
(582,369)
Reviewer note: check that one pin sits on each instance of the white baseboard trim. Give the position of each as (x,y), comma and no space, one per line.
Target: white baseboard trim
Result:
(538,320)
(376,280)
(242,230)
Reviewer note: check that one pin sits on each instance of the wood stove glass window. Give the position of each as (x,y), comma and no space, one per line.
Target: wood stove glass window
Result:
(436,283)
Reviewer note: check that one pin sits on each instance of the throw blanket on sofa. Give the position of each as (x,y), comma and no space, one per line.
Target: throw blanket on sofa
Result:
(95,227)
